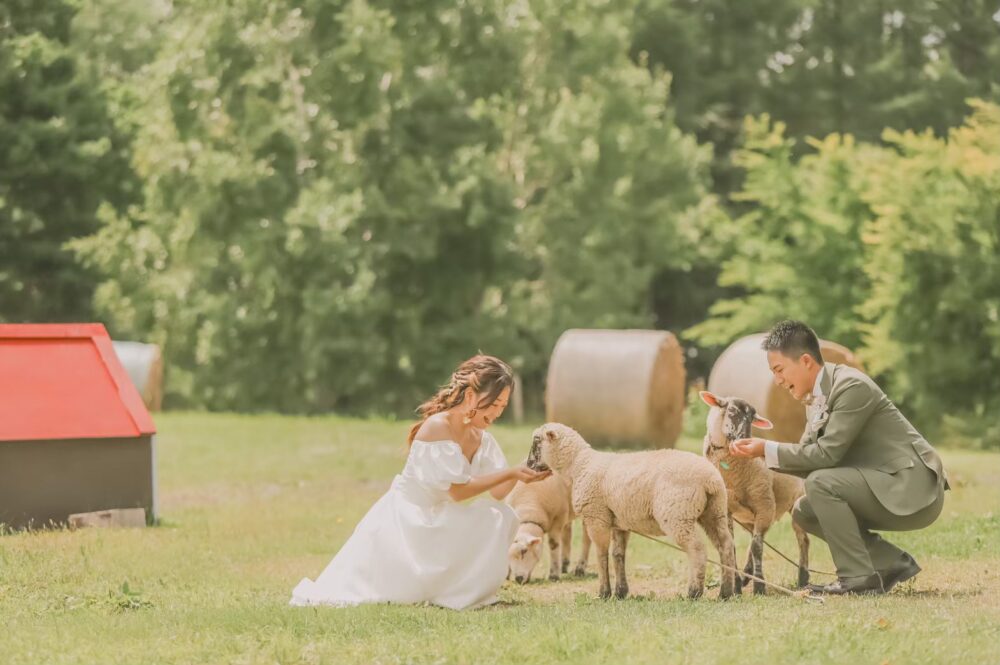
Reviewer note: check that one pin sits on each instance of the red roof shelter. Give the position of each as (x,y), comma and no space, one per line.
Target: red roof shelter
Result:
(75,435)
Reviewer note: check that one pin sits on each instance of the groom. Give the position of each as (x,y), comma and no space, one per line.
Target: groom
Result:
(866,467)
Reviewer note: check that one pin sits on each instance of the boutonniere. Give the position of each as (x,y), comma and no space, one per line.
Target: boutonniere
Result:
(818,413)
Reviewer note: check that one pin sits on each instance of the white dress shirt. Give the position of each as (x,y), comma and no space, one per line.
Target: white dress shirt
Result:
(771,447)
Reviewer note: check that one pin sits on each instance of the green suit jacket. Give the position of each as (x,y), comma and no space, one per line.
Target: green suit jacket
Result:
(861,428)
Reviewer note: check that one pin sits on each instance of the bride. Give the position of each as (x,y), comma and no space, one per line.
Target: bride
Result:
(422,542)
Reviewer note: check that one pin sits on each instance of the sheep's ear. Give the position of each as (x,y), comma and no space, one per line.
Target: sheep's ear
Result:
(550,434)
(711,399)
(760,422)
(533,540)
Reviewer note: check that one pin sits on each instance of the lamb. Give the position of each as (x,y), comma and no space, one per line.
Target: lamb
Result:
(544,508)
(661,492)
(758,496)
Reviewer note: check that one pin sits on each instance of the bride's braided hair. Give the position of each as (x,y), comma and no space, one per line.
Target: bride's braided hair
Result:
(483,374)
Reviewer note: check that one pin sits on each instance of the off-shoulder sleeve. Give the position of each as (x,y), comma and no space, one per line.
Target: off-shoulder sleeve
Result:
(439,465)
(492,458)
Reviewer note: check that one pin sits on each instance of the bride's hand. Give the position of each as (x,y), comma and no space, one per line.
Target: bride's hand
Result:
(526,475)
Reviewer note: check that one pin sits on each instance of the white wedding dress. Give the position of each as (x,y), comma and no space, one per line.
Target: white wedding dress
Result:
(417,545)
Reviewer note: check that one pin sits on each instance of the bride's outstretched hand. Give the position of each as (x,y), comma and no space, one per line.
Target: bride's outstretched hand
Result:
(526,475)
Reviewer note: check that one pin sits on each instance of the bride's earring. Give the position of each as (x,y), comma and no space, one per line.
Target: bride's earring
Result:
(468,417)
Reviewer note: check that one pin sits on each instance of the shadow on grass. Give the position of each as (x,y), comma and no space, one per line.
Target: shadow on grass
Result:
(545,581)
(935,594)
(501,605)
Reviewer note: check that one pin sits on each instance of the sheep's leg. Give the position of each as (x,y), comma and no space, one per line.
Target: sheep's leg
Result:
(748,568)
(600,534)
(718,530)
(803,538)
(696,555)
(757,554)
(554,556)
(763,518)
(581,563)
(737,577)
(618,553)
(567,545)
(682,531)
(669,508)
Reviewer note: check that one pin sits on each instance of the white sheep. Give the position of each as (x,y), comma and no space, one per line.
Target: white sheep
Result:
(544,508)
(661,492)
(758,496)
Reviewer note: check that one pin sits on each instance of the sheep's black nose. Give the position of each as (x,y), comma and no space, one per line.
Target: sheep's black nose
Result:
(519,579)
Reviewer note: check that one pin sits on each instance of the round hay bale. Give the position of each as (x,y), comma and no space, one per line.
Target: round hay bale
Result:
(144,366)
(742,371)
(618,387)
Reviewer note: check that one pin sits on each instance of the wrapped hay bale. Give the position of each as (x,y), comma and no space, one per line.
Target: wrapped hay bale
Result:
(742,371)
(618,387)
(144,366)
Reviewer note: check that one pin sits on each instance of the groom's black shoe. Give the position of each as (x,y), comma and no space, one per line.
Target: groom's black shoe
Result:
(904,568)
(867,586)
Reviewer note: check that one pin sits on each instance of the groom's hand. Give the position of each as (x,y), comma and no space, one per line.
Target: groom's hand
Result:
(751,447)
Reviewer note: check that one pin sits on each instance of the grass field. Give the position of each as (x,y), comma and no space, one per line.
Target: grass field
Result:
(251,504)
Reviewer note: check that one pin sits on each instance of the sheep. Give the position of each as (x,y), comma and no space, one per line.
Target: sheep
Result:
(758,496)
(661,492)
(544,508)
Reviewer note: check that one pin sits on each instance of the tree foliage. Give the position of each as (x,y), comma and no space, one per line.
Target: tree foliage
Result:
(341,201)
(893,249)
(61,157)
(326,204)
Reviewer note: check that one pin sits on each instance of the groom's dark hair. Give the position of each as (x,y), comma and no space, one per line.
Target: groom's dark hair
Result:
(792,339)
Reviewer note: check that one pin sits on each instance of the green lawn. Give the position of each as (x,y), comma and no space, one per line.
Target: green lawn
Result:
(251,504)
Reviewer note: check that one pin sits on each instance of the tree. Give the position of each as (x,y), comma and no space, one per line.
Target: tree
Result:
(891,249)
(60,158)
(932,316)
(342,201)
(799,251)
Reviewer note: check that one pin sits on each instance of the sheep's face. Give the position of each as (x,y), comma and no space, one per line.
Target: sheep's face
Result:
(731,418)
(538,442)
(552,446)
(523,556)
